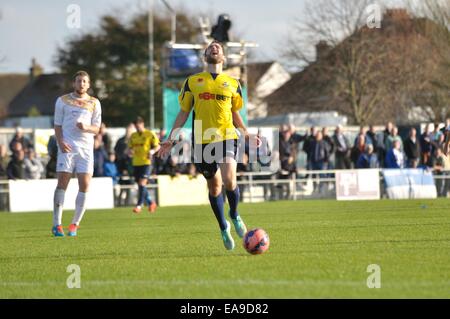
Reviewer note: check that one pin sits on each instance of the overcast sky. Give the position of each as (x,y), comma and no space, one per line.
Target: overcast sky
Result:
(36,28)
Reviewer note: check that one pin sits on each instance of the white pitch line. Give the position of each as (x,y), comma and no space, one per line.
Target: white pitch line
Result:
(239,282)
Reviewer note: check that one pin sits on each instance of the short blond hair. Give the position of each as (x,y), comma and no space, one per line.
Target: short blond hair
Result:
(81,73)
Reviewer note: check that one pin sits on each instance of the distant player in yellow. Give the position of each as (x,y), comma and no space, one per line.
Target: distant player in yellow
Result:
(143,143)
(215,99)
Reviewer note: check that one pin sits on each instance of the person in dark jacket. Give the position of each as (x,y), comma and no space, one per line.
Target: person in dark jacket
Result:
(288,145)
(320,152)
(52,149)
(382,151)
(426,146)
(358,148)
(110,168)
(100,156)
(106,138)
(342,149)
(288,149)
(412,149)
(122,151)
(371,138)
(320,156)
(309,139)
(16,167)
(19,138)
(330,144)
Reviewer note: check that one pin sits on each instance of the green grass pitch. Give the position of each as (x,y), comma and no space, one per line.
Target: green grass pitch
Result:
(318,249)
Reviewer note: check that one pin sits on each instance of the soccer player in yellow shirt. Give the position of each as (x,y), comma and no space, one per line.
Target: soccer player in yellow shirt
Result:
(215,99)
(143,143)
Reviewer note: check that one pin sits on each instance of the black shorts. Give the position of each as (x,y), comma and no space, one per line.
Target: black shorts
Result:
(207,162)
(140,172)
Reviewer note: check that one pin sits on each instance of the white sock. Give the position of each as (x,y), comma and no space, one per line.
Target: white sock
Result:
(58,202)
(80,208)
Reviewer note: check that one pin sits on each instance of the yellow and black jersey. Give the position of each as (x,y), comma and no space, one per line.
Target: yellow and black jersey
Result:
(141,143)
(214,97)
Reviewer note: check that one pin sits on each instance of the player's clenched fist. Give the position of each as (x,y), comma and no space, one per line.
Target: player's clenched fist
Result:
(82,126)
(165,149)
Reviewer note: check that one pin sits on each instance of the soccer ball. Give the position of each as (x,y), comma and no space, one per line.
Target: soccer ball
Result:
(256,241)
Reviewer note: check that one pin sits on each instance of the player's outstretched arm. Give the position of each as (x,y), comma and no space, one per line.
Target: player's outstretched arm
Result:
(166,146)
(239,124)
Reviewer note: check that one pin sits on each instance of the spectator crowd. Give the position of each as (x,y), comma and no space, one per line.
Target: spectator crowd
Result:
(20,161)
(369,149)
(323,150)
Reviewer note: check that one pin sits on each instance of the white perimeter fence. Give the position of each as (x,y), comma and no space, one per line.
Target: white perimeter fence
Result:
(370,184)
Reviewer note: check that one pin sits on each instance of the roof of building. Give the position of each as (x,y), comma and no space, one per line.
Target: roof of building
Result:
(255,72)
(10,85)
(40,93)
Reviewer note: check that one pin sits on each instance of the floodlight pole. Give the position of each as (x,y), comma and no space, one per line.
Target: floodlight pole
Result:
(173,34)
(151,79)
(151,51)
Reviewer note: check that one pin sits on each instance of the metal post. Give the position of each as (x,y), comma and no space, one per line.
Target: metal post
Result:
(294,186)
(173,37)
(174,28)
(151,79)
(250,187)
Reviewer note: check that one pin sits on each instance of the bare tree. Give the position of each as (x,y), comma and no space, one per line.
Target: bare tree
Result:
(364,67)
(435,92)
(351,69)
(327,21)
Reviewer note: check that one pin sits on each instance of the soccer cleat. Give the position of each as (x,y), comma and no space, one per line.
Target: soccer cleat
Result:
(137,209)
(239,225)
(226,237)
(152,207)
(72,230)
(58,231)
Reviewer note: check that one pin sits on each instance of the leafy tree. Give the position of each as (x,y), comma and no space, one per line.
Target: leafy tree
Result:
(116,57)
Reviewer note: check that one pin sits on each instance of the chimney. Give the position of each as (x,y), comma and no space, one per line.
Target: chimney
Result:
(322,50)
(396,15)
(35,69)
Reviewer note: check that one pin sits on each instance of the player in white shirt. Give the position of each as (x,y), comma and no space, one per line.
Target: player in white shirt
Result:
(77,121)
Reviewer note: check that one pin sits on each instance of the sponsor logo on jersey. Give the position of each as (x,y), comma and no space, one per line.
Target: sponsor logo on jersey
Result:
(211,96)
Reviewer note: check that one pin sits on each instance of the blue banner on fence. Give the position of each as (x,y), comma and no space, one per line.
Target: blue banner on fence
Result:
(409,183)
